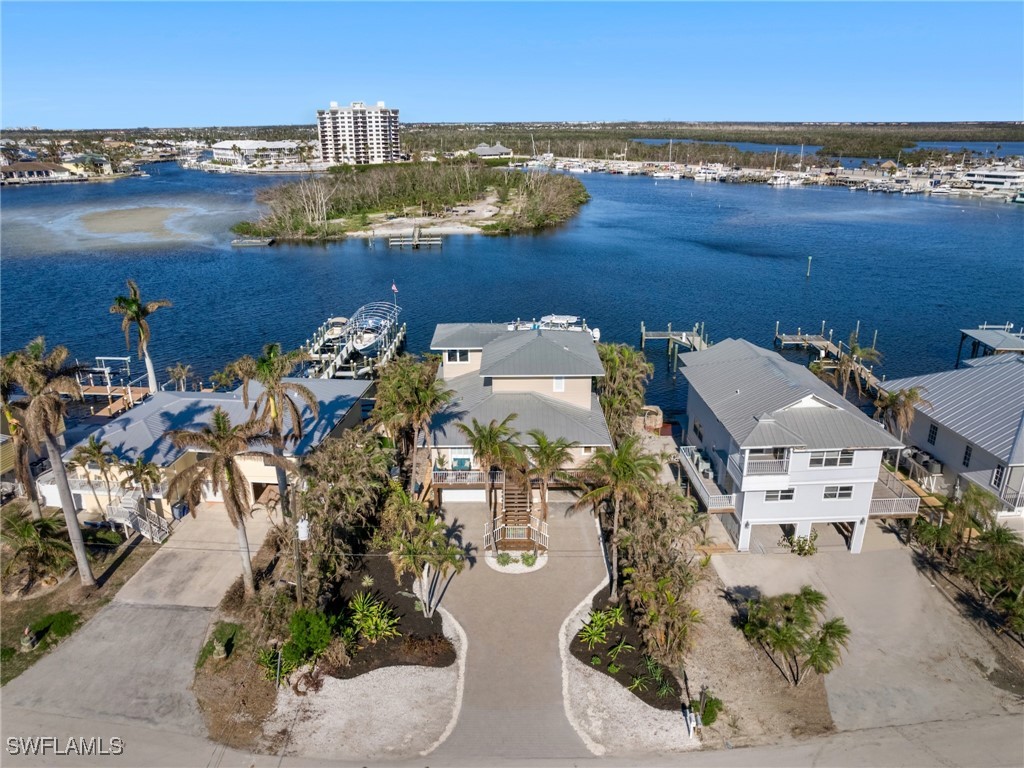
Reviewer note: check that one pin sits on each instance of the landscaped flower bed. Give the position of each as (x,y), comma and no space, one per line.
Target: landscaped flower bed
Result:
(611,643)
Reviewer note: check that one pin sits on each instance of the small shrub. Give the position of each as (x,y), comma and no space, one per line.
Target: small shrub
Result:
(638,683)
(665,689)
(7,653)
(505,559)
(615,616)
(268,660)
(529,559)
(711,709)
(311,634)
(367,582)
(56,625)
(801,545)
(593,632)
(373,618)
(620,647)
(654,670)
(596,660)
(614,668)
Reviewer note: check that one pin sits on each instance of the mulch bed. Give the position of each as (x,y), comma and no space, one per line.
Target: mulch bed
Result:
(630,662)
(422,642)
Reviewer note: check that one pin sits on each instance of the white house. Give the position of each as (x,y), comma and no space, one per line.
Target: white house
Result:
(485,151)
(769,444)
(248,152)
(972,429)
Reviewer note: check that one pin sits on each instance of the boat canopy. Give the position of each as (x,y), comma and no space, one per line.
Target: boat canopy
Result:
(375,317)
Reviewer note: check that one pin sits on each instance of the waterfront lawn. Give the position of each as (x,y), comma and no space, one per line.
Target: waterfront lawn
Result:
(56,613)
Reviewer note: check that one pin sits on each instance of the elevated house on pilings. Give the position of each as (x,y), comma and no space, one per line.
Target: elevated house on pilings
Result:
(541,374)
(770,445)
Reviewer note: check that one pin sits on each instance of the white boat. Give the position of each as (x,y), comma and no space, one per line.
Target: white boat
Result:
(779,179)
(369,323)
(666,175)
(705,174)
(578,169)
(248,242)
(556,323)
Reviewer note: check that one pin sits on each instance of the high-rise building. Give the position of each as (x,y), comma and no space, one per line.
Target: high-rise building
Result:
(358,134)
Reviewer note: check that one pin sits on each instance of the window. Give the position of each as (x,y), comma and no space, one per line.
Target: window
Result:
(838,492)
(933,432)
(785,494)
(588,450)
(698,431)
(831,459)
(458,356)
(967,456)
(997,477)
(559,383)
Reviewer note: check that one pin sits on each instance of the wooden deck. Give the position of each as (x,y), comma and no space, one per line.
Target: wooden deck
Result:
(829,351)
(118,398)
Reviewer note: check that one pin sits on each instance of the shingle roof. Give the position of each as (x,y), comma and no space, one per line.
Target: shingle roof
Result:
(542,353)
(466,335)
(555,418)
(743,383)
(983,403)
(140,430)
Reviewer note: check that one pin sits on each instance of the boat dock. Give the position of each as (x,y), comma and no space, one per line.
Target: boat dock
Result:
(829,350)
(98,383)
(356,347)
(692,341)
(415,241)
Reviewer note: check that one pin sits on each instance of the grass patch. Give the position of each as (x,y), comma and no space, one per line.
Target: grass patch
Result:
(55,626)
(227,633)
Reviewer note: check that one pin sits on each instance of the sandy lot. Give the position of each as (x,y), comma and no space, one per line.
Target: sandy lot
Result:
(462,220)
(149,220)
(911,659)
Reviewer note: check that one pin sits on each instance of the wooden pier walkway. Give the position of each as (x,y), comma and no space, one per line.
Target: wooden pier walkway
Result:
(417,240)
(118,398)
(831,351)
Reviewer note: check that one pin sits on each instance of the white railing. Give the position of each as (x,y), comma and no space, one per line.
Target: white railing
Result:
(1013,500)
(536,531)
(466,477)
(131,510)
(711,501)
(767,466)
(889,507)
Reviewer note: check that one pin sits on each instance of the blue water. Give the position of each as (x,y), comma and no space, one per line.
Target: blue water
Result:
(731,256)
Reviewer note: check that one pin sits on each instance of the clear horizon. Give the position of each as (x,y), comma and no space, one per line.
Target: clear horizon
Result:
(126,65)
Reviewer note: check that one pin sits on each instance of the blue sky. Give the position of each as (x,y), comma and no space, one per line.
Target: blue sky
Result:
(86,65)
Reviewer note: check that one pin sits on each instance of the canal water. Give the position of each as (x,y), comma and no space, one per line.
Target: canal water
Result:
(733,257)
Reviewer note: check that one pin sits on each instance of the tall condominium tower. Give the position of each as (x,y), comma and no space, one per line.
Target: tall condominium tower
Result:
(358,134)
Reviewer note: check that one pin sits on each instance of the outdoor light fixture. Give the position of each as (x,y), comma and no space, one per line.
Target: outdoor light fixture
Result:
(303,529)
(746,524)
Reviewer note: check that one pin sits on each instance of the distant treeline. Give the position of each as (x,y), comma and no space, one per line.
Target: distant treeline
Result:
(327,206)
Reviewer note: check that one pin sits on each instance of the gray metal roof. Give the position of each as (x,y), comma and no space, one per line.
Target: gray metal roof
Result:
(542,353)
(555,418)
(994,338)
(742,383)
(140,430)
(982,403)
(466,335)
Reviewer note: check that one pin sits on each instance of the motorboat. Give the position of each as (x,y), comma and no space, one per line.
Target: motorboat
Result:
(556,323)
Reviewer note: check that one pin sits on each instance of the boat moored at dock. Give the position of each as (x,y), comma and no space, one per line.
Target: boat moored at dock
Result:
(358,346)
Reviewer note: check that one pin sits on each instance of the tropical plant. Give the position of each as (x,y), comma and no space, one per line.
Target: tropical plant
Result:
(223,379)
(898,409)
(135,312)
(372,618)
(622,477)
(493,444)
(849,361)
(279,400)
(621,389)
(140,473)
(790,630)
(180,373)
(547,459)
(40,546)
(801,545)
(431,556)
(220,445)
(46,379)
(13,414)
(620,647)
(427,397)
(399,515)
(97,452)
(595,629)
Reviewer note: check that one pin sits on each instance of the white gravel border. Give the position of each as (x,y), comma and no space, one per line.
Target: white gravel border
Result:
(394,712)
(517,567)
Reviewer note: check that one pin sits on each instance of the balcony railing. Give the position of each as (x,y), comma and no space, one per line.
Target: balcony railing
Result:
(908,505)
(757,466)
(466,477)
(1013,500)
(712,501)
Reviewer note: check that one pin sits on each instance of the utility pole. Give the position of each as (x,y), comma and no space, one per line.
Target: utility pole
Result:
(301,535)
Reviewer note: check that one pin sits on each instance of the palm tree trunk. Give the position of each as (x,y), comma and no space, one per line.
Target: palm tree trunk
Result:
(614,546)
(67,503)
(23,474)
(150,370)
(415,455)
(544,497)
(282,486)
(243,552)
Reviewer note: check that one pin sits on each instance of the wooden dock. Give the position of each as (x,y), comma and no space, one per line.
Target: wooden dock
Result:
(692,341)
(118,398)
(831,351)
(417,240)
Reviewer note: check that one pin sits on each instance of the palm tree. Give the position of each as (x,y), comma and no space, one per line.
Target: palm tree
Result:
(134,311)
(429,554)
(95,452)
(428,396)
(180,373)
(621,389)
(898,409)
(277,400)
(492,444)
(846,366)
(822,650)
(223,379)
(547,459)
(220,445)
(12,412)
(46,379)
(139,474)
(622,477)
(40,544)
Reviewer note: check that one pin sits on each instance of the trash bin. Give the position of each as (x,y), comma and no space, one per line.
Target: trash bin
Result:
(179,510)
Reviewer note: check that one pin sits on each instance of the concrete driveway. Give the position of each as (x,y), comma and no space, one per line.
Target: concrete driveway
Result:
(135,660)
(912,658)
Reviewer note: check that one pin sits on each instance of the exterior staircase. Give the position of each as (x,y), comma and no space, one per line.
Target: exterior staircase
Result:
(516,528)
(131,511)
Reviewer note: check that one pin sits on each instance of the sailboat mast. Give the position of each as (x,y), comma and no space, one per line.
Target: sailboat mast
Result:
(670,150)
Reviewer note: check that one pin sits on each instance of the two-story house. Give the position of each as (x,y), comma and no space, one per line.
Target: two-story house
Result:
(972,429)
(543,376)
(770,444)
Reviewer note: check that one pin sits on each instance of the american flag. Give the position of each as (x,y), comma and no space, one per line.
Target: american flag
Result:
(394,288)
